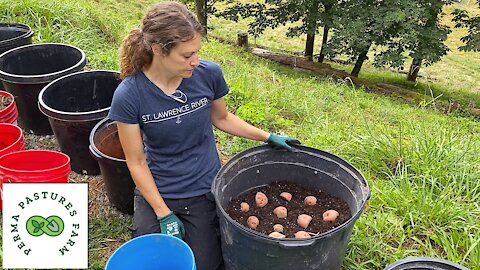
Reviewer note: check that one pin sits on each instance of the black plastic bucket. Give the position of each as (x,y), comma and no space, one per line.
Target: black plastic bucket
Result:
(246,249)
(14,35)
(27,69)
(74,104)
(425,263)
(105,147)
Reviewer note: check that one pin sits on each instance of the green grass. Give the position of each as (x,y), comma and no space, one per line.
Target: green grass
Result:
(422,166)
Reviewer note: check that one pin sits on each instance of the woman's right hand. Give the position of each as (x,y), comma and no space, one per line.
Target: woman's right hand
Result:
(132,144)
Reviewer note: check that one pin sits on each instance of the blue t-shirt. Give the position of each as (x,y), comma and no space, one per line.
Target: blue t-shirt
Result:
(177,130)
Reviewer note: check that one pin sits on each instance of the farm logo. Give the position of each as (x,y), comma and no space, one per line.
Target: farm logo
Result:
(45,225)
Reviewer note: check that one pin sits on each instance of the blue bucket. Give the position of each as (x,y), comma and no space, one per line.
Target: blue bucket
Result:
(153,252)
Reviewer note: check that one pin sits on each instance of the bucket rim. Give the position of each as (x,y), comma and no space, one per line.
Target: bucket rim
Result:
(27,34)
(406,261)
(41,78)
(176,239)
(18,140)
(93,148)
(11,105)
(311,240)
(76,116)
(23,152)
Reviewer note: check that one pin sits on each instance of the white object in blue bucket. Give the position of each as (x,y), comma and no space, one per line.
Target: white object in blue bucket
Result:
(153,252)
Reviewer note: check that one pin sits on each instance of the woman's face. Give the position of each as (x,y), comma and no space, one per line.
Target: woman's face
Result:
(183,58)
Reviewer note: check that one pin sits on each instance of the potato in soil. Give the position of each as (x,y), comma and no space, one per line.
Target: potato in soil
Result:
(295,207)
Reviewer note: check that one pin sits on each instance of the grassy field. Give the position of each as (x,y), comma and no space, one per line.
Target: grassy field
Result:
(422,166)
(456,77)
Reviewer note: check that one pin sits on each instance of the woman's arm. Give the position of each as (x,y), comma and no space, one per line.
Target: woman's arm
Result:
(132,144)
(232,124)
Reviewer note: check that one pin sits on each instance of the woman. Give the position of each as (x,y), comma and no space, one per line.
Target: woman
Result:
(165,108)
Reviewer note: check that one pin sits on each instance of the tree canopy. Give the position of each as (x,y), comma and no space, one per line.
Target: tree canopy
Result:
(472,40)
(393,29)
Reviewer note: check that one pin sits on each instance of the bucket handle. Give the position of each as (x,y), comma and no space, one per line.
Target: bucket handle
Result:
(296,244)
(5,178)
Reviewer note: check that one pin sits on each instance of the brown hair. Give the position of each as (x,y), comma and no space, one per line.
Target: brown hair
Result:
(166,24)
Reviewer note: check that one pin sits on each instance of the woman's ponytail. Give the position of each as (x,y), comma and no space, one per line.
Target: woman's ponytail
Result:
(134,53)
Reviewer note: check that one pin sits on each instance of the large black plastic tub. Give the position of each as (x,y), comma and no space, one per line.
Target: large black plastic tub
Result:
(106,148)
(27,69)
(74,104)
(246,249)
(14,35)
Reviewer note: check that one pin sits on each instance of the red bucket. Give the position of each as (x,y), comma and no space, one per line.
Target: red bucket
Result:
(34,166)
(9,114)
(11,139)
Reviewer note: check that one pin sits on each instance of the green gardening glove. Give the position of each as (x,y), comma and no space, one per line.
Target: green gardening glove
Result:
(282,141)
(171,225)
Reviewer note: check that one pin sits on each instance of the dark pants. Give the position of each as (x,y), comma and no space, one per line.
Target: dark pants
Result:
(199,216)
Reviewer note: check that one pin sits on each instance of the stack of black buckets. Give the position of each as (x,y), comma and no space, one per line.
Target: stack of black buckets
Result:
(54,95)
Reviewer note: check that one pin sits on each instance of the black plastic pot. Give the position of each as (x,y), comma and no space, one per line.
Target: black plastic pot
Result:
(246,249)
(425,263)
(14,35)
(106,149)
(74,104)
(27,69)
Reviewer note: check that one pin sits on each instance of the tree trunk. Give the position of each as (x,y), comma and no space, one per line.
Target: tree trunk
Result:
(201,8)
(358,65)
(321,57)
(414,69)
(309,46)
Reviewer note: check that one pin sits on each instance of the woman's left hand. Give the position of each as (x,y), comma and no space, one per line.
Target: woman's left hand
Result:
(282,141)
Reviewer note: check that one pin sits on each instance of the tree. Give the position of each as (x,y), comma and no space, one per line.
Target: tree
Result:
(272,13)
(311,26)
(202,9)
(427,42)
(318,13)
(472,40)
(362,24)
(423,40)
(327,22)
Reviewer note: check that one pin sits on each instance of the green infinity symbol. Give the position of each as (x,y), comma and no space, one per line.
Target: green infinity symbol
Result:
(51,226)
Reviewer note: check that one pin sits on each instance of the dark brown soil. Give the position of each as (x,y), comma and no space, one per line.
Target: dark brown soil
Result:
(295,207)
(4,102)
